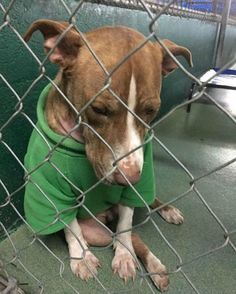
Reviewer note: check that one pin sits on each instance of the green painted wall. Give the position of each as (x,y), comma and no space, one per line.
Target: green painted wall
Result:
(20,69)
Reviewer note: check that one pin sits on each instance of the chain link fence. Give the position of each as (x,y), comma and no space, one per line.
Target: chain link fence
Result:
(203,10)
(9,284)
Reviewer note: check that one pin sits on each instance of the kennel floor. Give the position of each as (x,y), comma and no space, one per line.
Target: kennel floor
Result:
(202,140)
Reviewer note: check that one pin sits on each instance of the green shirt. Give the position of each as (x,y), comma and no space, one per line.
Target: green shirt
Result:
(51,199)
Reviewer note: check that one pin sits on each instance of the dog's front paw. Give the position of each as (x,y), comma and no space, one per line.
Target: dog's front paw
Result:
(124,264)
(85,268)
(158,272)
(172,215)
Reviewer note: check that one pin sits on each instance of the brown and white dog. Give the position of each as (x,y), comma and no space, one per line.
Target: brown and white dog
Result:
(138,82)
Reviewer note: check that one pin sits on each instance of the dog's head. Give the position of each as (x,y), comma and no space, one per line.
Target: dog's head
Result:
(137,83)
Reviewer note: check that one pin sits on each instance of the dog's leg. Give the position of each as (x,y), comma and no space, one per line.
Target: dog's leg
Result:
(94,233)
(169,213)
(152,264)
(83,263)
(97,235)
(123,262)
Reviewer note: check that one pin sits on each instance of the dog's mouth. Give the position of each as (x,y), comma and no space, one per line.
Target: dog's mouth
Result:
(123,170)
(114,176)
(122,180)
(104,175)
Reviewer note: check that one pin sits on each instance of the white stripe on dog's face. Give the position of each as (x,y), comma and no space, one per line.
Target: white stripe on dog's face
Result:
(133,139)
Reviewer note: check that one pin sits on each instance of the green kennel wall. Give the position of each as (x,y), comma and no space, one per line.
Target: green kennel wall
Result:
(20,69)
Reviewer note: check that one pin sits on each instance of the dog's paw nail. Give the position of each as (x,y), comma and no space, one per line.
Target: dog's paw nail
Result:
(125,265)
(161,282)
(172,215)
(161,278)
(164,284)
(85,268)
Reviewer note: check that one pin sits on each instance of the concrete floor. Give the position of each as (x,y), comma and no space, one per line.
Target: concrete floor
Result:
(202,140)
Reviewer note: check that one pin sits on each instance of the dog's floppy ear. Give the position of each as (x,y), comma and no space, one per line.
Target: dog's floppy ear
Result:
(68,46)
(168,64)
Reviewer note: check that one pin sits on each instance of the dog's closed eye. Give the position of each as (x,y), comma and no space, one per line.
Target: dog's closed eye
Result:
(149,110)
(101,110)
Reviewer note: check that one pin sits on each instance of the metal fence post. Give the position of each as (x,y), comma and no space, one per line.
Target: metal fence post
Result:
(223,27)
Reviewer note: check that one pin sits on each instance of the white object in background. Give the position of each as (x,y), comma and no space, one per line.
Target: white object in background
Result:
(224,80)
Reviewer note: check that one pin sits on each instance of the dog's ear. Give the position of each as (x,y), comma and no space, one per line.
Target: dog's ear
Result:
(67,48)
(168,64)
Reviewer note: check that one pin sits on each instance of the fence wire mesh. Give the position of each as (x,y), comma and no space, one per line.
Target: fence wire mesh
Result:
(8,283)
(203,10)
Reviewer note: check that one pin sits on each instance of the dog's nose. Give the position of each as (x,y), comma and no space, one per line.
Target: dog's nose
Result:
(132,173)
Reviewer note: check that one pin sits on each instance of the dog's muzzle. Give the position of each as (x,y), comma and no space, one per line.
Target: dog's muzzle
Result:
(127,172)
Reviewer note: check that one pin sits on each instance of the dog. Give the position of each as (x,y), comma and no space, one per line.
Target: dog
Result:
(90,132)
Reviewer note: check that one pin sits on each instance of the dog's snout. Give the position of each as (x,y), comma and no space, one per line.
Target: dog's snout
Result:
(121,180)
(130,170)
